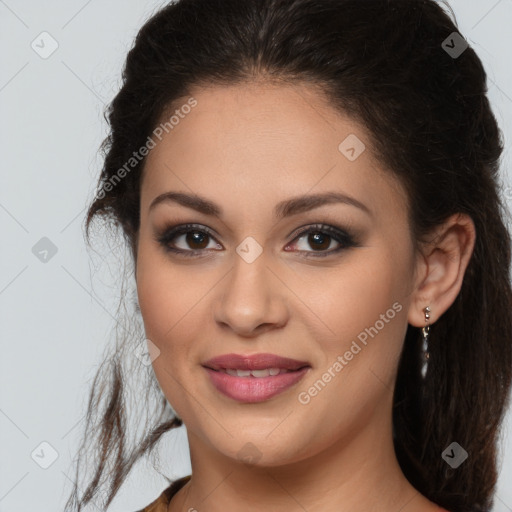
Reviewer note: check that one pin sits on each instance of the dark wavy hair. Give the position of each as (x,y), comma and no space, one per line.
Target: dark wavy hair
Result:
(382,63)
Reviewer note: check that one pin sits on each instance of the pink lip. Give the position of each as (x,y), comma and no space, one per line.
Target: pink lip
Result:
(253,362)
(254,389)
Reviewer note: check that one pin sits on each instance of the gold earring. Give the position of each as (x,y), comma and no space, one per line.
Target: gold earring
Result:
(425,333)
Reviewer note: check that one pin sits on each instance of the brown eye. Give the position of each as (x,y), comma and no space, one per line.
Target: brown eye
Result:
(196,239)
(319,241)
(187,240)
(320,238)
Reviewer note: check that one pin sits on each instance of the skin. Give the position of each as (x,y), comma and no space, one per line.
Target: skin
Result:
(246,148)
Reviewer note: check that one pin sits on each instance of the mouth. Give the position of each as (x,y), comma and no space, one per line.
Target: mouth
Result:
(265,372)
(254,378)
(254,363)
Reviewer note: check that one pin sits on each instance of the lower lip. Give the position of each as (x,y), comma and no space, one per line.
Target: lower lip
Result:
(254,389)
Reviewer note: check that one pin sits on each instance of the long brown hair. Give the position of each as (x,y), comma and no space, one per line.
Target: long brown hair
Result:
(383,63)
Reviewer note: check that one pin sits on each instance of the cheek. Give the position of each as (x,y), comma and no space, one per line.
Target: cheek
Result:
(363,311)
(354,295)
(164,296)
(364,323)
(166,301)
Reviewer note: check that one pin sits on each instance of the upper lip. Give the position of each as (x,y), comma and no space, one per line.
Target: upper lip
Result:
(253,362)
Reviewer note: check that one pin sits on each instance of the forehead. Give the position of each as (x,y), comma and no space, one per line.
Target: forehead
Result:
(247,141)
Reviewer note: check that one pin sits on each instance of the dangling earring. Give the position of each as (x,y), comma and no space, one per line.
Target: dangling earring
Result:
(425,332)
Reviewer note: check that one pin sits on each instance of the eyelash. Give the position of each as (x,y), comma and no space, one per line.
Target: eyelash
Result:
(345,240)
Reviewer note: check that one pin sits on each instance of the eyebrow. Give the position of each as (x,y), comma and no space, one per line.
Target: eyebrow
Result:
(283,209)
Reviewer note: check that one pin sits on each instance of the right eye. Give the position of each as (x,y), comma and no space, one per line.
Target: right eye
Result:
(194,236)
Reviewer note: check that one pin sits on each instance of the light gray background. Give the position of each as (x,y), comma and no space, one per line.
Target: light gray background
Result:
(56,316)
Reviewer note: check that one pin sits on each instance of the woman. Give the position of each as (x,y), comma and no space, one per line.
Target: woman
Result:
(309,191)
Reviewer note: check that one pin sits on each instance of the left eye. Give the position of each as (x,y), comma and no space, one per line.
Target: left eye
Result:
(316,239)
(319,237)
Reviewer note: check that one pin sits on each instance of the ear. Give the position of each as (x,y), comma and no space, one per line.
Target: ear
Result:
(440,268)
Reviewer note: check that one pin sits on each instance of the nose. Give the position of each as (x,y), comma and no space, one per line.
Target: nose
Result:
(252,299)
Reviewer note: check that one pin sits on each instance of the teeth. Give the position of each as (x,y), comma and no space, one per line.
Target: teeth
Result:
(255,373)
(260,373)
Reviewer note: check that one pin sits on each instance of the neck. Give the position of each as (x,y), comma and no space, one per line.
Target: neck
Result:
(359,473)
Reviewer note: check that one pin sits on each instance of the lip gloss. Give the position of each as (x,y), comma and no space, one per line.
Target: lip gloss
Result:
(254,389)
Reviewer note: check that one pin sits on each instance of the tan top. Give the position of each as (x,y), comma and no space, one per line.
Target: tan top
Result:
(161,504)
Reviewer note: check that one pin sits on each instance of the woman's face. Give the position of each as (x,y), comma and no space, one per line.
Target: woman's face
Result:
(249,279)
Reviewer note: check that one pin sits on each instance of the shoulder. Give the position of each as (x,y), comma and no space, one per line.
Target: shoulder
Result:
(162,502)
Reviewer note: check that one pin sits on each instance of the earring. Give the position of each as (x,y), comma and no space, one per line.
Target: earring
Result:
(425,331)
